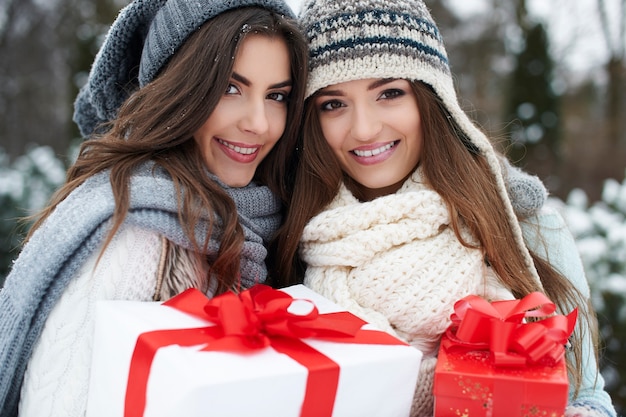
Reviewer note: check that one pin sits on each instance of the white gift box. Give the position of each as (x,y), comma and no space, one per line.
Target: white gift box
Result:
(375,380)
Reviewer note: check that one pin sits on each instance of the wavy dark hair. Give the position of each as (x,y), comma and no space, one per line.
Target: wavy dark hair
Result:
(447,155)
(157,122)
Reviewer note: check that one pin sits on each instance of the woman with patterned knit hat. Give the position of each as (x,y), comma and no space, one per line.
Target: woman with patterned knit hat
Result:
(191,109)
(403,206)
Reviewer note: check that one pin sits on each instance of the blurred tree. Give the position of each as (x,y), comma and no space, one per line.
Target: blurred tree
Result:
(532,103)
(477,52)
(32,94)
(47,49)
(616,71)
(595,111)
(506,70)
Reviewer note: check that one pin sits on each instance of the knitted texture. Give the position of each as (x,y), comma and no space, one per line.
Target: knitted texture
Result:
(351,40)
(397,263)
(77,228)
(142,39)
(587,409)
(127,270)
(527,192)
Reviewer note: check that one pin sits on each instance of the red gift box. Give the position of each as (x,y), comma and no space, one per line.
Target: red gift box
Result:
(494,362)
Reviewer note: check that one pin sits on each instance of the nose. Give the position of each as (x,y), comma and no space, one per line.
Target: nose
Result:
(255,119)
(366,125)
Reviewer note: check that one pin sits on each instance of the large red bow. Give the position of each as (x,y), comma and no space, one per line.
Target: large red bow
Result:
(247,321)
(501,328)
(254,319)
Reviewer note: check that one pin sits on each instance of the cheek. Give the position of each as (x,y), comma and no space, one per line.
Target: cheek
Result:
(333,132)
(202,132)
(278,122)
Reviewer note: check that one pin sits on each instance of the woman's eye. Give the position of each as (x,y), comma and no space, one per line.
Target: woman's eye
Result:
(331,105)
(392,93)
(231,89)
(280,97)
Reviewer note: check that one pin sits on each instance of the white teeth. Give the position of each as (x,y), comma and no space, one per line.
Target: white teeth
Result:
(373,152)
(243,151)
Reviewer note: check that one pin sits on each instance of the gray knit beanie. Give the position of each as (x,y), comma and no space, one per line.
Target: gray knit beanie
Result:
(144,36)
(359,39)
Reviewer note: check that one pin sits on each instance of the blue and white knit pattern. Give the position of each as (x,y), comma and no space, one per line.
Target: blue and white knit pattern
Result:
(350,40)
(360,39)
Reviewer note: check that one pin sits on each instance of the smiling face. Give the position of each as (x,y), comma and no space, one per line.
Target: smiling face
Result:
(251,115)
(374,128)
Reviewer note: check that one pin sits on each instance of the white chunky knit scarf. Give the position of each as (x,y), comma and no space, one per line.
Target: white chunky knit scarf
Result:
(396,263)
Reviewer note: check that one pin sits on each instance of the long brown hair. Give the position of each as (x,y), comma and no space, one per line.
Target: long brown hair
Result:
(157,122)
(447,156)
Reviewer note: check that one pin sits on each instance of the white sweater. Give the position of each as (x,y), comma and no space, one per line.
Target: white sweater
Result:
(57,377)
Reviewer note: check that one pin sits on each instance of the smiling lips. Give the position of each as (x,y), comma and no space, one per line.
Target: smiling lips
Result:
(374,155)
(239,153)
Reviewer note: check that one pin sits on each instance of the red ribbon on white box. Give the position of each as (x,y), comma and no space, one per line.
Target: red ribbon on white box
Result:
(255,319)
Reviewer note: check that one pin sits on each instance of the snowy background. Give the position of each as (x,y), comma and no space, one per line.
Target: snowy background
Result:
(599,224)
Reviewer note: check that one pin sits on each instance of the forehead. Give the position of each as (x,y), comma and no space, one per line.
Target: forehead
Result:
(263,58)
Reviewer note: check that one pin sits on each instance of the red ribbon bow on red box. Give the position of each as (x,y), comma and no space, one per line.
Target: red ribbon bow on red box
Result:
(501,328)
(249,321)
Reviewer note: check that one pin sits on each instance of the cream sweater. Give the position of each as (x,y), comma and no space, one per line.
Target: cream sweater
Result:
(397,263)
(57,378)
(138,265)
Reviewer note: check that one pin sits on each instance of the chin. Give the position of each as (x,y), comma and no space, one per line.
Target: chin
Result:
(237,182)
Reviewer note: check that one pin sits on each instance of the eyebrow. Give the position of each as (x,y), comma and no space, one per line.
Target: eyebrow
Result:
(374,85)
(247,83)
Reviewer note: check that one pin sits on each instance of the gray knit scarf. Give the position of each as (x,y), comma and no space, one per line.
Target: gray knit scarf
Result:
(78,227)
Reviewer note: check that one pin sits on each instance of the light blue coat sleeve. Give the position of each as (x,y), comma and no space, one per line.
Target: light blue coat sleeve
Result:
(547,235)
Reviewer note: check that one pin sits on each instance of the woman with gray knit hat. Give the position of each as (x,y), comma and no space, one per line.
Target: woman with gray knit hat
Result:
(192,110)
(403,206)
